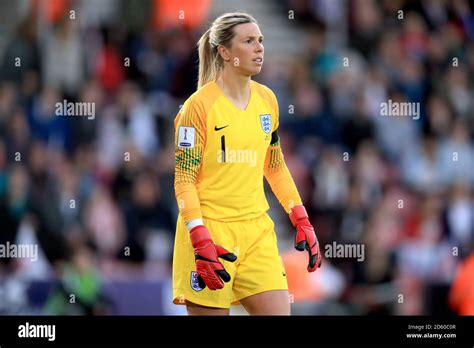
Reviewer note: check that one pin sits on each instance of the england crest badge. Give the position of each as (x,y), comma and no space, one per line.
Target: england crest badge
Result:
(266,122)
(195,282)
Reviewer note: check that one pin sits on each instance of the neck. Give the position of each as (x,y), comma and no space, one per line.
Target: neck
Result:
(235,86)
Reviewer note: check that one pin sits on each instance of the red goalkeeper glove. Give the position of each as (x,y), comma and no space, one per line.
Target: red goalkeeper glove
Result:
(210,271)
(305,237)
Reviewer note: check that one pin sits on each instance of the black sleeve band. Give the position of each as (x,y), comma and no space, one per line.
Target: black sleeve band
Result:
(274,138)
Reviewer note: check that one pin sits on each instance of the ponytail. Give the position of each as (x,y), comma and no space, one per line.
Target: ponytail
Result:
(207,60)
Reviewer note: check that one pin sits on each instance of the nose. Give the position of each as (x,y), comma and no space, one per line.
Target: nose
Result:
(259,46)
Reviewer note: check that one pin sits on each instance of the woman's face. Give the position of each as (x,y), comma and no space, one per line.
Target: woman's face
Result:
(245,53)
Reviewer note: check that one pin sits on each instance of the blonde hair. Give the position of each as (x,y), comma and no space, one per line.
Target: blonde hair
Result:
(221,32)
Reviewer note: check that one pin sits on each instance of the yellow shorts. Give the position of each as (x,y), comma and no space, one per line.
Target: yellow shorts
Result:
(258,267)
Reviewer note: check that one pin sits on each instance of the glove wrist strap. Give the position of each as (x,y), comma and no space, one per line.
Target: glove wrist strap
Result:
(199,234)
(297,214)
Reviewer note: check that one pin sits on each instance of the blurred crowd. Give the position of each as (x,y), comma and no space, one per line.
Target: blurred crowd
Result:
(97,194)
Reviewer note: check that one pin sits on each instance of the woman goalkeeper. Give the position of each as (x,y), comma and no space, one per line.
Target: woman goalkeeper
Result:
(226,141)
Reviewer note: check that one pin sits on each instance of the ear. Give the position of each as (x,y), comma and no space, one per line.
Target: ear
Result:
(224,52)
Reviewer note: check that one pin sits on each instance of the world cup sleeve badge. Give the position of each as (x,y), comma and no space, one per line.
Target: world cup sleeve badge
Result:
(266,122)
(186,137)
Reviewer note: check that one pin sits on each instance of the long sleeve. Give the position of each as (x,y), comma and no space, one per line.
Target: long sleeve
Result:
(190,130)
(279,177)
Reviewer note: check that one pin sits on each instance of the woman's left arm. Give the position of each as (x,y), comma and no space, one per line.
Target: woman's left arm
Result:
(283,186)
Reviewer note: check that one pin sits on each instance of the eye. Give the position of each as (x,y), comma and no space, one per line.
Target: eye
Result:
(249,40)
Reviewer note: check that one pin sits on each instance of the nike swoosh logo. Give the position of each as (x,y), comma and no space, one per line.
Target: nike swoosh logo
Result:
(217,129)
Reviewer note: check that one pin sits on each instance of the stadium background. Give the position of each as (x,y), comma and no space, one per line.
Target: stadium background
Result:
(96,194)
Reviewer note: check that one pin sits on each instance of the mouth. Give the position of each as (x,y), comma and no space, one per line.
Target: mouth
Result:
(258,60)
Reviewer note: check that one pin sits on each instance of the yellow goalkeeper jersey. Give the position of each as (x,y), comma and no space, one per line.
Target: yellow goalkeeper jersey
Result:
(222,150)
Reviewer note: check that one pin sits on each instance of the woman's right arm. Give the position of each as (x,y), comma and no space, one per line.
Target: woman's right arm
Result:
(190,130)
(190,138)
